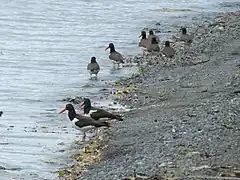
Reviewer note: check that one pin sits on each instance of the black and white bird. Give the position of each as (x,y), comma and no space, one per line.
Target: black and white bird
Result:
(81,122)
(144,42)
(93,67)
(185,37)
(153,47)
(97,113)
(188,38)
(115,56)
(151,35)
(168,51)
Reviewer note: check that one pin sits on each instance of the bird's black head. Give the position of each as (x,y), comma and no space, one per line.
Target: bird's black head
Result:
(86,105)
(71,111)
(167,43)
(154,40)
(87,102)
(184,31)
(111,46)
(151,32)
(143,35)
(69,107)
(93,60)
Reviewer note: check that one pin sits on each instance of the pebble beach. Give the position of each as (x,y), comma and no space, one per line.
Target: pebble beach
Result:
(183,118)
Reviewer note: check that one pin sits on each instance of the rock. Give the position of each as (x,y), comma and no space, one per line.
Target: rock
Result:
(2,168)
(75,100)
(220,28)
(236,92)
(215,109)
(203,97)
(237,173)
(190,114)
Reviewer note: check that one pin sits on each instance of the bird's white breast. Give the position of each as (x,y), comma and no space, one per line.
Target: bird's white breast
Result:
(74,125)
(92,111)
(84,128)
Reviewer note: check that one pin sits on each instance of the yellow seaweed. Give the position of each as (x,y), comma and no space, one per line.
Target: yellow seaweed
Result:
(88,155)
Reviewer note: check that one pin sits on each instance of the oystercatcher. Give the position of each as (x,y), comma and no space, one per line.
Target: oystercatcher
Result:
(81,122)
(151,35)
(168,51)
(115,56)
(144,42)
(97,113)
(93,67)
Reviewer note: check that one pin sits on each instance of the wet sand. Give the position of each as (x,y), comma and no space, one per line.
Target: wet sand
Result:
(184,120)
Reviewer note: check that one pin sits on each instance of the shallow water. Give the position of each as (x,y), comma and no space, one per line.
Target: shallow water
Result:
(45,47)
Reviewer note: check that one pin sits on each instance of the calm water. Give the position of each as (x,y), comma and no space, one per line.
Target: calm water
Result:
(45,47)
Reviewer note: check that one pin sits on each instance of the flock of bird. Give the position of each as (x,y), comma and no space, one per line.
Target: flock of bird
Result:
(117,58)
(94,118)
(148,44)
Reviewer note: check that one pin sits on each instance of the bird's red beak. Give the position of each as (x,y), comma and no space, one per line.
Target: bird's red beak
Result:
(81,105)
(107,48)
(62,110)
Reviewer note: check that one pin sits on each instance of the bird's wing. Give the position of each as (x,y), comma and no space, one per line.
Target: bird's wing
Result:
(97,67)
(100,113)
(87,121)
(93,66)
(119,55)
(84,120)
(116,56)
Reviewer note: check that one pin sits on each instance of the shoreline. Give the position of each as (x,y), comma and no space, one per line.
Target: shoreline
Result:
(147,93)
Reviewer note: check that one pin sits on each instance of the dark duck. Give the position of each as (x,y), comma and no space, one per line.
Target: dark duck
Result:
(81,122)
(97,113)
(93,67)
(115,56)
(144,41)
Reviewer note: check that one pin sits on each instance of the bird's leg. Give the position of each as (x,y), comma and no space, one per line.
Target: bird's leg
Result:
(84,136)
(98,135)
(97,132)
(150,60)
(130,62)
(118,65)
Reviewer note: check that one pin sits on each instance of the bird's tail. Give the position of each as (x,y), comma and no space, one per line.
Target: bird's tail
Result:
(117,117)
(103,123)
(106,124)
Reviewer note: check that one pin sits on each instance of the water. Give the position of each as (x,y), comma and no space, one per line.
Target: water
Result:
(45,47)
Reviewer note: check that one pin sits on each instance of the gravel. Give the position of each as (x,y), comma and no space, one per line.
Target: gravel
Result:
(185,112)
